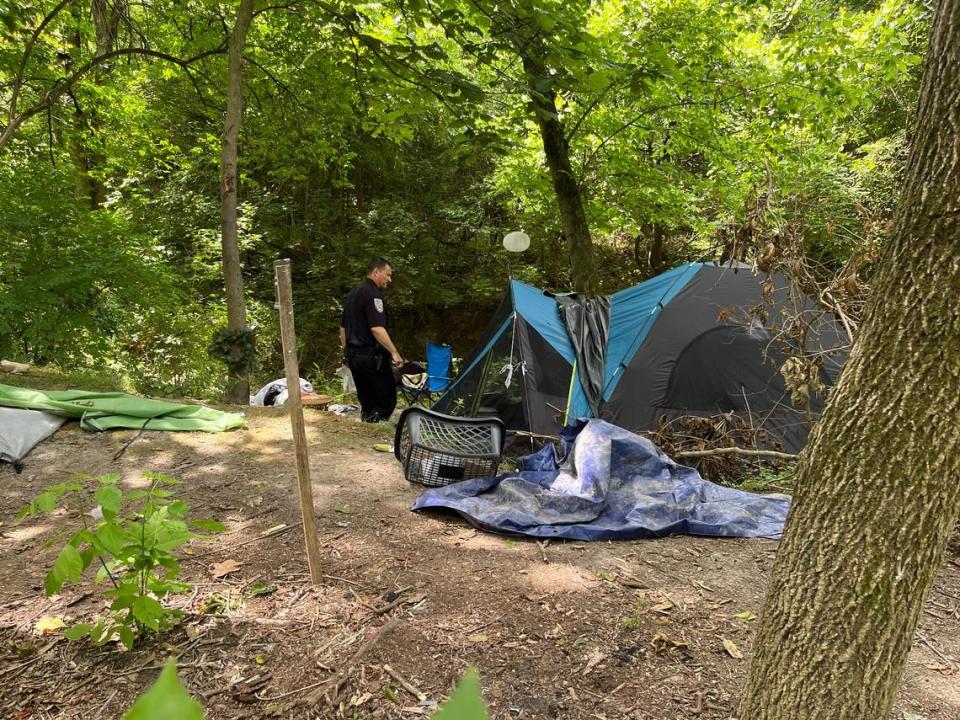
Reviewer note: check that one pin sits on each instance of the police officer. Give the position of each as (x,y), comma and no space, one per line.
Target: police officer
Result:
(365,339)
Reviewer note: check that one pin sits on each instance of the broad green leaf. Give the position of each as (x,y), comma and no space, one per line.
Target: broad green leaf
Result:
(160,478)
(112,537)
(127,637)
(100,633)
(109,498)
(75,632)
(68,567)
(166,700)
(148,611)
(47,501)
(208,525)
(466,703)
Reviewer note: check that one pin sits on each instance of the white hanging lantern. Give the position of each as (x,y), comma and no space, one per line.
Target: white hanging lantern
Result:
(516,241)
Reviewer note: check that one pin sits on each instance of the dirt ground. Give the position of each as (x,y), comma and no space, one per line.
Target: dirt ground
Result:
(407,603)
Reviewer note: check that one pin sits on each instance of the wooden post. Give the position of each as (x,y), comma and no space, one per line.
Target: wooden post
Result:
(288,335)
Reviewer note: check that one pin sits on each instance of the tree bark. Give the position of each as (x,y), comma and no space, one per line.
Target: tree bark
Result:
(106,23)
(88,159)
(81,124)
(877,486)
(573,219)
(239,385)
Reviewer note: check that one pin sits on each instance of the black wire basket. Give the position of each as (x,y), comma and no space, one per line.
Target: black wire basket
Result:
(437,449)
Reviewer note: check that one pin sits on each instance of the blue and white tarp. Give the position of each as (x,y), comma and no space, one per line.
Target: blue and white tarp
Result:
(607,484)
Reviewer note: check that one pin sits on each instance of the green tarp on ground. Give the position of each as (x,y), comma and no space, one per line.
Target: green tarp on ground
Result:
(110,410)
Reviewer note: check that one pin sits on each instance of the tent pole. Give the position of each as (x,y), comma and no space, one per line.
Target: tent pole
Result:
(478,396)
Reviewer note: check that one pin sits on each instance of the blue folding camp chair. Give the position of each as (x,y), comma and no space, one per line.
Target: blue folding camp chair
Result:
(421,390)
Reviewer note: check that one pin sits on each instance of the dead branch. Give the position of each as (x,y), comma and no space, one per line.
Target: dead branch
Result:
(341,675)
(735,451)
(405,684)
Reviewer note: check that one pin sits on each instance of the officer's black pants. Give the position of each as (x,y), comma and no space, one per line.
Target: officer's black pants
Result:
(376,389)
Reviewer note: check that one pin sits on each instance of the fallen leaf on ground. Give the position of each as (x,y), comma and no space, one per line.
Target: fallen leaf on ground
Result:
(478,638)
(48,624)
(746,615)
(596,657)
(663,642)
(222,569)
(359,700)
(732,649)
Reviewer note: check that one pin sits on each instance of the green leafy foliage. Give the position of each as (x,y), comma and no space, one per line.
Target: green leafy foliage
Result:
(466,703)
(166,699)
(237,349)
(406,129)
(131,543)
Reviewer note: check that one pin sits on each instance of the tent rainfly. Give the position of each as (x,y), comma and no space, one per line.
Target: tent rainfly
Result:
(687,342)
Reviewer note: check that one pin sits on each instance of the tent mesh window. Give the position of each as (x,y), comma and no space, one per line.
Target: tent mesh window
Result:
(500,391)
(458,400)
(437,450)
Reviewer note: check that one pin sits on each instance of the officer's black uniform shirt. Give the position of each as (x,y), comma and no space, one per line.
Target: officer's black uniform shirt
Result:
(364,308)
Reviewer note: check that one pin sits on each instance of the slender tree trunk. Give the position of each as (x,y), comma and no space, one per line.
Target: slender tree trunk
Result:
(573,219)
(106,23)
(81,125)
(239,387)
(88,159)
(655,248)
(877,487)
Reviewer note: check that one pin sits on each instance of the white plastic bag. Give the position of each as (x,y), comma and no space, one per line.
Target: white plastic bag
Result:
(343,372)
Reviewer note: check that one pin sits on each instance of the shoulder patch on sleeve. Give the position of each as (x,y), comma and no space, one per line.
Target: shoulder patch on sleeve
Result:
(378,304)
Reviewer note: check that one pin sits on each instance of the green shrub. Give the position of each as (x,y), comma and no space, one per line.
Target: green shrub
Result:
(130,540)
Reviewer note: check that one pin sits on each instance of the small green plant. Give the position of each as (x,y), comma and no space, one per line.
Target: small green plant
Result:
(765,479)
(325,383)
(130,539)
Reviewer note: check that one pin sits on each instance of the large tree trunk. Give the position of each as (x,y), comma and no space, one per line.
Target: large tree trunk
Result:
(878,493)
(239,387)
(573,219)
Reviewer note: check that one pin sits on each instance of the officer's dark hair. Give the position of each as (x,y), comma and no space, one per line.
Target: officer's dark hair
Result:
(378,263)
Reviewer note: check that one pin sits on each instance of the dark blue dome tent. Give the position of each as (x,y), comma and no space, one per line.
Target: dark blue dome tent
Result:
(686,342)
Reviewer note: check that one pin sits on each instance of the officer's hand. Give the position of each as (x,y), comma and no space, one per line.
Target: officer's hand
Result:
(397,359)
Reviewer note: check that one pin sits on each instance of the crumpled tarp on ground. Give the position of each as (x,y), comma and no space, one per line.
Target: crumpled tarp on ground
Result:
(110,410)
(21,430)
(608,484)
